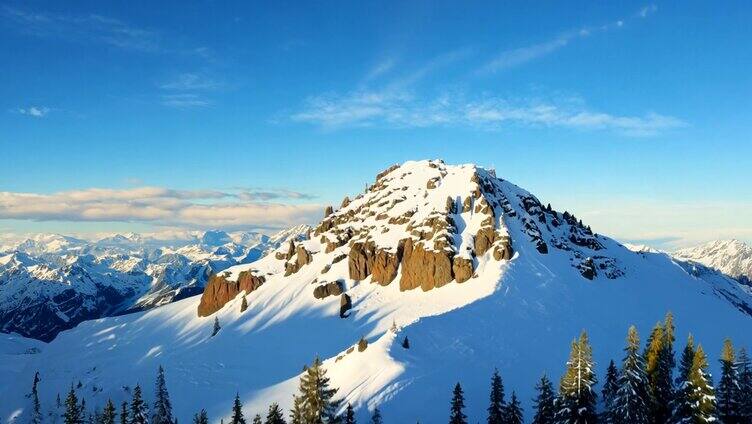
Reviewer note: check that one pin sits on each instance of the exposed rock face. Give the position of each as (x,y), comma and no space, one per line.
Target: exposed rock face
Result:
(329,289)
(345,304)
(462,268)
(219,291)
(302,258)
(286,256)
(423,268)
(328,211)
(484,239)
(360,260)
(503,250)
(385,266)
(587,268)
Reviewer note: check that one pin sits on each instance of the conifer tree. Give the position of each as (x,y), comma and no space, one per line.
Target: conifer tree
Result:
(631,402)
(457,415)
(349,415)
(744,394)
(201,417)
(317,396)
(703,399)
(36,411)
(406,343)
(496,407)
(73,413)
(109,413)
(237,411)
(577,397)
(296,414)
(608,393)
(728,386)
(376,416)
(162,406)
(257,419)
(513,411)
(216,328)
(124,413)
(139,412)
(659,366)
(682,407)
(544,402)
(275,416)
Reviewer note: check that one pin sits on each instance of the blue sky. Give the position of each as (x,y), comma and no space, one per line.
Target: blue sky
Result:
(130,116)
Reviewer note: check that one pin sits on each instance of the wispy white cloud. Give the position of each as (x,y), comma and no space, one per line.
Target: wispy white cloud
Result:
(365,109)
(519,56)
(188,90)
(162,206)
(190,81)
(34,111)
(184,100)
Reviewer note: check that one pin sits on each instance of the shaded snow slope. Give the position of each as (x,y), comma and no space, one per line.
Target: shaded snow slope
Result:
(516,314)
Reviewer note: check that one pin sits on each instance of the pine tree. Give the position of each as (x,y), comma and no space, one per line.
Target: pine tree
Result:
(610,387)
(296,414)
(139,413)
(162,406)
(257,419)
(349,415)
(577,397)
(406,343)
(237,411)
(632,402)
(744,400)
(496,407)
(316,396)
(124,413)
(703,396)
(513,411)
(275,416)
(682,407)
(376,416)
(544,402)
(216,328)
(728,386)
(659,366)
(73,413)
(36,412)
(243,304)
(109,413)
(201,417)
(457,415)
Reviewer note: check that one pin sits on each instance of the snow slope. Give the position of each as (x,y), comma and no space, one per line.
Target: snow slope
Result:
(517,314)
(731,257)
(49,283)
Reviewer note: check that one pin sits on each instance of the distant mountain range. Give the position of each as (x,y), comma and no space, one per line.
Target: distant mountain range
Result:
(731,257)
(51,282)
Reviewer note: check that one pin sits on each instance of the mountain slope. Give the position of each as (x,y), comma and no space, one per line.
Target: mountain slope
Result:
(473,269)
(732,257)
(50,283)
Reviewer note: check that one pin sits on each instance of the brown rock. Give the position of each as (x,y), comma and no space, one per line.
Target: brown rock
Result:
(329,289)
(467,204)
(360,260)
(450,206)
(462,269)
(385,266)
(503,250)
(362,344)
(345,304)
(484,239)
(328,211)
(345,202)
(423,268)
(303,257)
(219,291)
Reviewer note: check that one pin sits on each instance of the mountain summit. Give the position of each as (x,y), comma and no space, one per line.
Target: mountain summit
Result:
(475,271)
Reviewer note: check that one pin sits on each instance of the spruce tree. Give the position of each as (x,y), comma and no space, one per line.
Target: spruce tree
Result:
(456,415)
(124,413)
(275,416)
(544,402)
(257,419)
(659,366)
(703,396)
(201,417)
(608,393)
(139,412)
(162,406)
(36,411)
(109,413)
(513,411)
(406,343)
(728,386)
(632,402)
(237,411)
(73,413)
(349,415)
(317,397)
(682,407)
(376,416)
(496,407)
(744,394)
(577,397)
(296,414)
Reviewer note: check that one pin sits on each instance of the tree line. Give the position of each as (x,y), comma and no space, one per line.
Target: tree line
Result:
(647,388)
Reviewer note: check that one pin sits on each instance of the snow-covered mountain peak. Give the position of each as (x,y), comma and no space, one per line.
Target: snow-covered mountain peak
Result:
(732,257)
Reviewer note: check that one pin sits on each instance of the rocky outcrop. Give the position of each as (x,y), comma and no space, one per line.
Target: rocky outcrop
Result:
(462,268)
(328,289)
(219,291)
(286,255)
(328,211)
(423,268)
(502,250)
(302,258)
(345,304)
(385,266)
(361,259)
(483,240)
